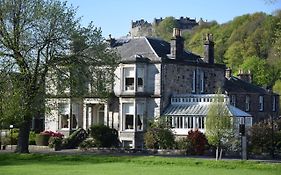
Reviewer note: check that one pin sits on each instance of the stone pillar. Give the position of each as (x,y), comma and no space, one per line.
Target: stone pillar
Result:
(244,147)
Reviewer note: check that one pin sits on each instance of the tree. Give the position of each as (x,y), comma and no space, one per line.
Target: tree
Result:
(218,124)
(37,36)
(259,68)
(165,28)
(234,55)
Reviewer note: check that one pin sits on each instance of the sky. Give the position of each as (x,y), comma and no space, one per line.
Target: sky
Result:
(115,16)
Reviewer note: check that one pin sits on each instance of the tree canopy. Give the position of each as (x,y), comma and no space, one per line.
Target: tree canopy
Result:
(36,37)
(218,123)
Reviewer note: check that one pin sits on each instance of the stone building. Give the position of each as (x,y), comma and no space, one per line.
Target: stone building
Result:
(144,28)
(261,103)
(156,78)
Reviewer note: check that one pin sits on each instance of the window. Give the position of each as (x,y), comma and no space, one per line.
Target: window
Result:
(140,79)
(64,113)
(129,79)
(248,121)
(273,103)
(202,83)
(200,123)
(247,103)
(101,115)
(194,82)
(233,100)
(128,116)
(63,116)
(190,122)
(261,106)
(140,114)
(64,121)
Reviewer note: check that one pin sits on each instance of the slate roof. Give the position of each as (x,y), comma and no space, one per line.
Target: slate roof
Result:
(236,85)
(152,48)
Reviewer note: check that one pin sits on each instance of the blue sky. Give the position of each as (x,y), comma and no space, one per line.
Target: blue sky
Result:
(114,16)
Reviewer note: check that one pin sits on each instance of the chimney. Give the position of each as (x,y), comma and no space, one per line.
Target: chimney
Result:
(228,73)
(245,76)
(177,44)
(209,49)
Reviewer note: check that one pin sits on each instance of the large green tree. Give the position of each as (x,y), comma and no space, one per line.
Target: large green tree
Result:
(37,36)
(218,124)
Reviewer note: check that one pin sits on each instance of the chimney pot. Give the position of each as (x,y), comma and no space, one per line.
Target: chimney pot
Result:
(245,76)
(228,73)
(177,44)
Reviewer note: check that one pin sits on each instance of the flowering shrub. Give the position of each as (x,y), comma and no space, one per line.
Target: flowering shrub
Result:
(42,139)
(198,142)
(52,134)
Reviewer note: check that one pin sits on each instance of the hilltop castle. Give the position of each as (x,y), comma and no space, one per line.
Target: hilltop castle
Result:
(144,28)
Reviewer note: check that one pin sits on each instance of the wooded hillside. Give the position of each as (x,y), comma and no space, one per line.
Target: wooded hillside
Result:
(249,42)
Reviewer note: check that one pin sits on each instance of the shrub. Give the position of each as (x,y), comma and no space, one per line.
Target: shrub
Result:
(32,137)
(198,142)
(13,137)
(104,136)
(55,142)
(183,144)
(88,143)
(150,139)
(159,138)
(74,139)
(261,135)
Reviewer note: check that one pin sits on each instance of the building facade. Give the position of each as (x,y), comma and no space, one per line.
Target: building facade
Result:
(154,76)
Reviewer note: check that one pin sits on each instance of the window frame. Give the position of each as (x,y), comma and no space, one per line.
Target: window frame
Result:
(261,103)
(202,82)
(247,103)
(274,103)
(194,81)
(127,88)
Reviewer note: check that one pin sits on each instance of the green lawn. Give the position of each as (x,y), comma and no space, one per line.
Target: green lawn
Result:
(42,164)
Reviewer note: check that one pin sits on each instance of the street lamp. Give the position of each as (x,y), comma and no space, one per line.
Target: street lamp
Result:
(11,132)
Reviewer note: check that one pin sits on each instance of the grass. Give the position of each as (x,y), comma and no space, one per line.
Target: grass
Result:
(43,164)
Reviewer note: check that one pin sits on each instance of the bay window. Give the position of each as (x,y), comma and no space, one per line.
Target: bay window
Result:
(140,79)
(128,116)
(129,79)
(140,114)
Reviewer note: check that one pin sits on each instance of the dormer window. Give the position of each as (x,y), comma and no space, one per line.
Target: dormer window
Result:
(129,79)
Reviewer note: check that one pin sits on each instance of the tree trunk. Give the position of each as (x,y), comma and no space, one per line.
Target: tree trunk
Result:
(217,153)
(23,141)
(220,153)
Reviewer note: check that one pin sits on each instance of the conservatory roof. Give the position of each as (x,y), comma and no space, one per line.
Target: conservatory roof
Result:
(198,109)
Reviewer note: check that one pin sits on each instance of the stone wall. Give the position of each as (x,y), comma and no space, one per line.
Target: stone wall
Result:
(177,79)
